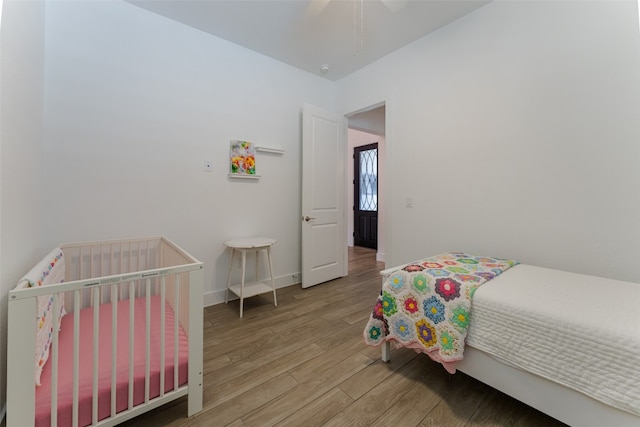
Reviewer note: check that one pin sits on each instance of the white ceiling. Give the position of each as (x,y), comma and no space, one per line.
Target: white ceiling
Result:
(289,31)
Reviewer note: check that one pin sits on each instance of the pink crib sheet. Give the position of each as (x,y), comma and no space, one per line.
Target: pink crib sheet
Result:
(65,356)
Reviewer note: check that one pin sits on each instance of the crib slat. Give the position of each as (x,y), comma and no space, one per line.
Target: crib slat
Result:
(100,267)
(147,334)
(130,257)
(96,333)
(91,262)
(114,346)
(54,360)
(120,266)
(131,322)
(162,332)
(80,264)
(139,267)
(148,255)
(76,356)
(176,313)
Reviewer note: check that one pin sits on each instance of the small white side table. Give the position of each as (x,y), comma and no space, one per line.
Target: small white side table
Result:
(246,290)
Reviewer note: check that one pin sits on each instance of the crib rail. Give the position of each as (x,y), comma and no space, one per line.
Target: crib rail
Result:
(103,259)
(164,271)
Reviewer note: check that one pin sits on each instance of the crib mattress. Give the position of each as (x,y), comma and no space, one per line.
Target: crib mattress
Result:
(580,331)
(65,382)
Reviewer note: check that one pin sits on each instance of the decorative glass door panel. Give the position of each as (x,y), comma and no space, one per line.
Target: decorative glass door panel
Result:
(365,209)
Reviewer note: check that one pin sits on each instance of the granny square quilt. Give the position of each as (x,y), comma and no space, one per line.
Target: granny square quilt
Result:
(426,304)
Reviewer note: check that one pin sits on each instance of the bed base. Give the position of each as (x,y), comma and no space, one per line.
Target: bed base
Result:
(560,402)
(93,271)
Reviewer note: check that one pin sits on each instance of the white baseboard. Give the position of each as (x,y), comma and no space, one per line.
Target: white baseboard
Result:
(217,296)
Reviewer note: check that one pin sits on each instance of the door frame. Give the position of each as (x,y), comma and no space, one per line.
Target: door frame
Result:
(384,224)
(384,179)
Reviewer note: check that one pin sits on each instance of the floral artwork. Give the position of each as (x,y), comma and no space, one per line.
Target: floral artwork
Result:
(243,157)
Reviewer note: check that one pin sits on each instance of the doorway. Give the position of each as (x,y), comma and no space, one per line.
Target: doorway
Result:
(365,191)
(367,126)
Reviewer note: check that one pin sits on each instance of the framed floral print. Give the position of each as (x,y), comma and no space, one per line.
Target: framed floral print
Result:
(242,158)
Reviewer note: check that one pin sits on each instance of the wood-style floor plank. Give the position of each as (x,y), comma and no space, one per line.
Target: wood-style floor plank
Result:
(306,392)
(374,374)
(304,363)
(251,399)
(319,410)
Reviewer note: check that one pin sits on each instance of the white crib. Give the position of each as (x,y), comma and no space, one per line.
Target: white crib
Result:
(130,341)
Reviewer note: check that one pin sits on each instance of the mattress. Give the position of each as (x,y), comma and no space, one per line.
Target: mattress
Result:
(577,330)
(65,357)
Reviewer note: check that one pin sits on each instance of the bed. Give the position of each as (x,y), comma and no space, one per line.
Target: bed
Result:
(118,331)
(564,343)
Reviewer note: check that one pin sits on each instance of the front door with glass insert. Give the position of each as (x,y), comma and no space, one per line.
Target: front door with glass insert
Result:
(365,207)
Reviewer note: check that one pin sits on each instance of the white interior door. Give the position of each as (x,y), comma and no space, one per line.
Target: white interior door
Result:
(324,242)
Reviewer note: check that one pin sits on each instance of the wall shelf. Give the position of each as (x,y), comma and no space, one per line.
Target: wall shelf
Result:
(243,176)
(269,150)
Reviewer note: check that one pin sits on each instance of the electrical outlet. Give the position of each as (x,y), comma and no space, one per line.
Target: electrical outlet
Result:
(296,278)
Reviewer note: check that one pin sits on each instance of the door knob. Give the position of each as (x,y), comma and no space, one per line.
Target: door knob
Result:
(307,218)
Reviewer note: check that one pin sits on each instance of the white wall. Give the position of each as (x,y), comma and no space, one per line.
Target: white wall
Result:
(357,138)
(135,103)
(372,121)
(515,131)
(21,95)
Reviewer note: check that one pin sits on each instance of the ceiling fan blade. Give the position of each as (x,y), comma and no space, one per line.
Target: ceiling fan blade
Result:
(394,5)
(316,7)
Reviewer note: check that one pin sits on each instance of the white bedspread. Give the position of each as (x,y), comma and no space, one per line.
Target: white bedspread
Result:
(580,331)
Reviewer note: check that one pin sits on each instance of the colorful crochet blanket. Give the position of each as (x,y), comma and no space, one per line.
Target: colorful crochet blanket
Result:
(426,305)
(49,271)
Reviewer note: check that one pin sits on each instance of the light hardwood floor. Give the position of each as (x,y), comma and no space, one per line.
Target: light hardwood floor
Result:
(304,363)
